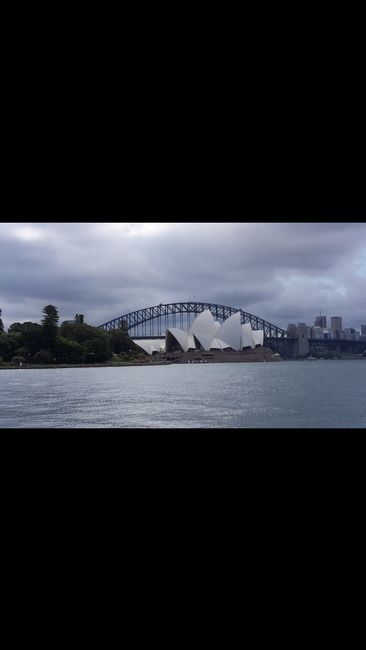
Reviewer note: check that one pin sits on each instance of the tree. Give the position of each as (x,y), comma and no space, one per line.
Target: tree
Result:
(121,341)
(42,357)
(1,326)
(29,335)
(32,337)
(49,325)
(6,350)
(15,327)
(79,318)
(23,352)
(79,332)
(69,351)
(100,347)
(8,344)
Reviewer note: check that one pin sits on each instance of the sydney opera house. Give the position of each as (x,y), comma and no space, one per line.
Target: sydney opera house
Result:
(206,334)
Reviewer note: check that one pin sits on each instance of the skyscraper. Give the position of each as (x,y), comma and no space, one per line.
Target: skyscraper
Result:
(321,321)
(336,326)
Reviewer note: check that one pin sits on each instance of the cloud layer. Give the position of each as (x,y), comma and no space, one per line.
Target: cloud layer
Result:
(282,272)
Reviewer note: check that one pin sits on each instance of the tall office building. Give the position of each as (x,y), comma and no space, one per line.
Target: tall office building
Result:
(336,326)
(363,329)
(320,321)
(292,329)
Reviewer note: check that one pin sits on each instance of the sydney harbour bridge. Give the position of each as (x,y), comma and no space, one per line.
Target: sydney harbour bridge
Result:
(152,322)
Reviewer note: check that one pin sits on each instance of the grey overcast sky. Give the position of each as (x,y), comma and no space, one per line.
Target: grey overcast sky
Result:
(282,272)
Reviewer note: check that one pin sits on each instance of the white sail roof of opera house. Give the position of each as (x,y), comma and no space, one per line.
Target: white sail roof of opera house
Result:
(204,322)
(258,337)
(247,338)
(208,334)
(217,345)
(179,335)
(230,332)
(151,345)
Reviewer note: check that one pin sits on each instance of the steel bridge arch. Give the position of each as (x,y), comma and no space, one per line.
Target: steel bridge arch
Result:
(140,316)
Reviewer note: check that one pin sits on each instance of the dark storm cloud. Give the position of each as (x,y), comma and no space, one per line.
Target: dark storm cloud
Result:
(280,271)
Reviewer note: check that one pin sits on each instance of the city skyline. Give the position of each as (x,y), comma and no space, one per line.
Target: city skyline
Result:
(282,272)
(328,324)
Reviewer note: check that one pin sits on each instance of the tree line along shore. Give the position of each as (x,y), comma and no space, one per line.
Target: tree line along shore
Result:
(72,343)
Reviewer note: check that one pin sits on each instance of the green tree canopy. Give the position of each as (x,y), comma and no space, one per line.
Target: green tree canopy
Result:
(50,318)
(23,352)
(42,357)
(6,349)
(49,325)
(100,347)
(15,340)
(79,332)
(68,351)
(15,327)
(32,337)
(29,335)
(121,341)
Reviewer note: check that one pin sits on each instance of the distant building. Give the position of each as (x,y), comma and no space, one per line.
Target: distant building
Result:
(363,329)
(321,321)
(336,326)
(350,333)
(327,334)
(303,340)
(317,332)
(292,329)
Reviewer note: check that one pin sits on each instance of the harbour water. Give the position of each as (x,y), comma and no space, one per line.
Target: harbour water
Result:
(317,394)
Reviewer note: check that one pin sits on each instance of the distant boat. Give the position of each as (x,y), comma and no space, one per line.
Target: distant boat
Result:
(311,359)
